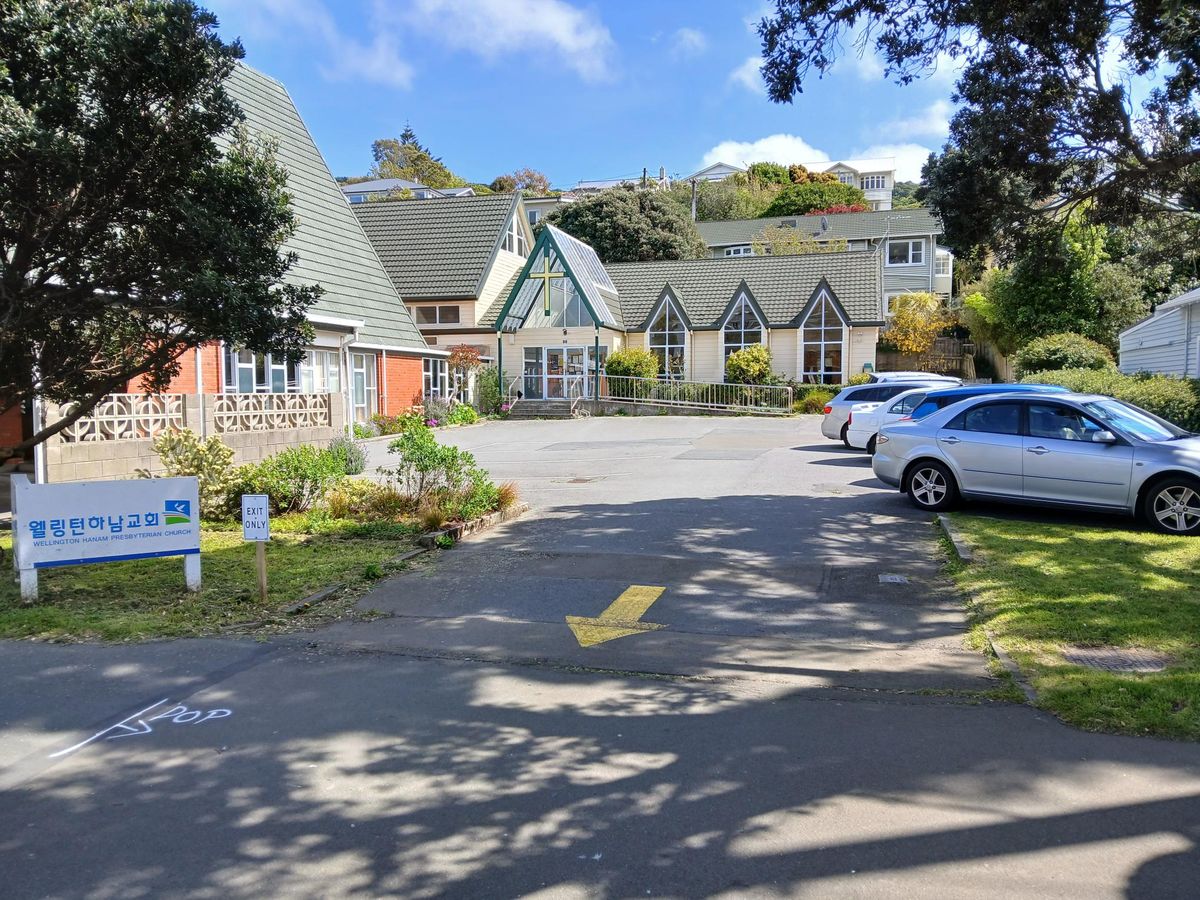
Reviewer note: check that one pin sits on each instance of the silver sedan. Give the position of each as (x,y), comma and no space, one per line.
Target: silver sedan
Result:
(1062,450)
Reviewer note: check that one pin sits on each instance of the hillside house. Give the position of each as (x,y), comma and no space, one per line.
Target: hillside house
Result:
(1167,342)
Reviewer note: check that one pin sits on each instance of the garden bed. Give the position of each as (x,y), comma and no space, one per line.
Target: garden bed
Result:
(1049,592)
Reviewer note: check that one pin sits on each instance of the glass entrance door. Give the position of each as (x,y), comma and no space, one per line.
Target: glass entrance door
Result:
(566,373)
(533,384)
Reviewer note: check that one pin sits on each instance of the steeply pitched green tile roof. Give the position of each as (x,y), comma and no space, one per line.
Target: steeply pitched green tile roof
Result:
(439,248)
(851,226)
(333,251)
(782,285)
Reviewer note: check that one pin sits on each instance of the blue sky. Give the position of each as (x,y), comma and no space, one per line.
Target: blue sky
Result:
(577,90)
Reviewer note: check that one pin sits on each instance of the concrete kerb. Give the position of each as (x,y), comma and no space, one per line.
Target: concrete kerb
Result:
(466,529)
(961,548)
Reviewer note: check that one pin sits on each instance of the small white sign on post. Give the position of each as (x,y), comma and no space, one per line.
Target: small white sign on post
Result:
(256,526)
(78,522)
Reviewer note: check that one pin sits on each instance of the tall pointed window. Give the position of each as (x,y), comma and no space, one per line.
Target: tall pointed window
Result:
(822,336)
(668,341)
(742,328)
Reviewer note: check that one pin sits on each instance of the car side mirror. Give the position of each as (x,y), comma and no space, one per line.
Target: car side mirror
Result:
(1103,437)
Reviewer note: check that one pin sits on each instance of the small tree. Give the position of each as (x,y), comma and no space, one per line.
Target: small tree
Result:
(777,240)
(633,362)
(802,198)
(1061,351)
(531,182)
(407,158)
(919,318)
(750,365)
(768,173)
(465,359)
(624,224)
(798,174)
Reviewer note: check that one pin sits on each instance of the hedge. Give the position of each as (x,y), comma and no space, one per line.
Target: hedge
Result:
(1174,399)
(1062,351)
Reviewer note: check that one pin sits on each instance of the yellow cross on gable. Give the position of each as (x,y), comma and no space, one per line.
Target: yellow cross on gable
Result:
(545,275)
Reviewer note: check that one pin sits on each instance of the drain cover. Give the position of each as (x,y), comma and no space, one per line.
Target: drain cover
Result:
(1117,659)
(892,579)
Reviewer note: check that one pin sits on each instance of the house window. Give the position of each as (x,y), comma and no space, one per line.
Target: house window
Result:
(358,198)
(739,251)
(874,182)
(364,393)
(514,238)
(533,215)
(438,315)
(890,303)
(941,264)
(846,178)
(435,378)
(668,340)
(259,373)
(905,253)
(821,350)
(320,372)
(742,328)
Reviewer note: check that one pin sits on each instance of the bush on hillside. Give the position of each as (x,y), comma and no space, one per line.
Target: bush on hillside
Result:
(1065,350)
(1174,399)
(750,365)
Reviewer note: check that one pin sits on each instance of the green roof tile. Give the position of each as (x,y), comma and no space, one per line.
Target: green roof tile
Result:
(851,226)
(333,251)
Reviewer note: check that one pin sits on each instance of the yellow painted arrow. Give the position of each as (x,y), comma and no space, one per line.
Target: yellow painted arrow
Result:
(622,618)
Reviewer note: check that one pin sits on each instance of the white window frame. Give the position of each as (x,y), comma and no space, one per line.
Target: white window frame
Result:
(673,317)
(234,362)
(321,372)
(889,308)
(514,237)
(874,182)
(740,308)
(437,314)
(435,378)
(823,299)
(942,259)
(917,244)
(847,178)
(368,365)
(739,251)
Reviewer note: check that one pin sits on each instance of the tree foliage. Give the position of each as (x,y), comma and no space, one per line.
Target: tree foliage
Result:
(529,181)
(1041,113)
(802,198)
(126,234)
(632,362)
(904,195)
(406,157)
(624,224)
(798,174)
(735,197)
(777,240)
(768,173)
(917,320)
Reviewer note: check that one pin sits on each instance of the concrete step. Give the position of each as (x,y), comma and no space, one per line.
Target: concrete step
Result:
(542,409)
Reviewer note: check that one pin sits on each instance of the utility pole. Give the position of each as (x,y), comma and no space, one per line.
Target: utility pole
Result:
(643,178)
(693,199)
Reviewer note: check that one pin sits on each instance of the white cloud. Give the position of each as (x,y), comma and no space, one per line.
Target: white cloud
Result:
(932,121)
(866,66)
(748,76)
(344,57)
(687,42)
(495,28)
(784,149)
(909,158)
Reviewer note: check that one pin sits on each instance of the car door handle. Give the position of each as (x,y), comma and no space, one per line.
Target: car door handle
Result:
(949,440)
(1039,450)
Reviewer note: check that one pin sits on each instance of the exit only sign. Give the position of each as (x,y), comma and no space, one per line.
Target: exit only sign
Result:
(256,517)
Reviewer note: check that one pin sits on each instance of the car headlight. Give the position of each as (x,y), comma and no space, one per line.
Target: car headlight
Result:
(881,439)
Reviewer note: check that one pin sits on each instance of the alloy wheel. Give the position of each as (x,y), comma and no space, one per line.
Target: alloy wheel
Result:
(928,486)
(1177,508)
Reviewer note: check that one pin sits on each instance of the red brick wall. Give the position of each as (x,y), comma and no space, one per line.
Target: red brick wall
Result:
(400,380)
(185,381)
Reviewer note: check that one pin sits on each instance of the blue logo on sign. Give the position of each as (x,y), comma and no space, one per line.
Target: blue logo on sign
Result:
(178,512)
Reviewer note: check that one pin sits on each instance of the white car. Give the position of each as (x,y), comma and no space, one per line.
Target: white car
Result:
(867,418)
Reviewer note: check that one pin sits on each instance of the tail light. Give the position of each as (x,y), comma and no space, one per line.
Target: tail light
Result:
(828,410)
(850,419)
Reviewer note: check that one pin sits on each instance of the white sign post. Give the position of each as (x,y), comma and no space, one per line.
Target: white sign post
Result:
(79,522)
(256,526)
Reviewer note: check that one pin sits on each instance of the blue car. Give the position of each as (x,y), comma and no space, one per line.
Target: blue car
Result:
(942,398)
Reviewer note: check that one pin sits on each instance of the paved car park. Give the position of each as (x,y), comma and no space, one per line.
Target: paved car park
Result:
(796,727)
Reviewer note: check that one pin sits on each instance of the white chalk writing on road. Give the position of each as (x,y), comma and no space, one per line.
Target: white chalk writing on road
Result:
(139,723)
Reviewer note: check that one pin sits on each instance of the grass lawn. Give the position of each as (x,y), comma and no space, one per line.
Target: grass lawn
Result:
(147,598)
(1042,586)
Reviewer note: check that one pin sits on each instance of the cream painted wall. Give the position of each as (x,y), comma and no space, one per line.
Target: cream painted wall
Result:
(504,267)
(515,344)
(862,350)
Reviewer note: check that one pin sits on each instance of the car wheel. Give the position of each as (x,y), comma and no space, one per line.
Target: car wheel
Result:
(931,486)
(846,435)
(1172,506)
(871,446)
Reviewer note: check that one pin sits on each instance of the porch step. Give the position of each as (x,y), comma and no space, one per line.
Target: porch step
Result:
(542,409)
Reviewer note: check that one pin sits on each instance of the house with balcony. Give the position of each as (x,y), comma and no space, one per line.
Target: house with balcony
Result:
(905,241)
(367,355)
(875,177)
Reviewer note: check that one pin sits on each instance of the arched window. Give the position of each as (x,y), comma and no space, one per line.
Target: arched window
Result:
(668,341)
(742,328)
(822,337)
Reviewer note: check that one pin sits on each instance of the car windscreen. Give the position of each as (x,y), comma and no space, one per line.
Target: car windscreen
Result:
(1133,421)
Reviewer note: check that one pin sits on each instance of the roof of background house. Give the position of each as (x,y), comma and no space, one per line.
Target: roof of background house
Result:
(379,185)
(331,247)
(851,226)
(875,164)
(439,248)
(781,285)
(1187,297)
(465,191)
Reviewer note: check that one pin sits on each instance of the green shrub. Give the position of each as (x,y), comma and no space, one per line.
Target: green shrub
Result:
(488,391)
(394,424)
(353,457)
(480,497)
(427,467)
(812,402)
(1174,399)
(364,430)
(1061,351)
(462,414)
(750,365)
(294,479)
(436,411)
(183,453)
(366,501)
(633,362)
(859,378)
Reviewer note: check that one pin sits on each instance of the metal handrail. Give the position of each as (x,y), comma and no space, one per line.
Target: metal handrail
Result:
(758,398)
